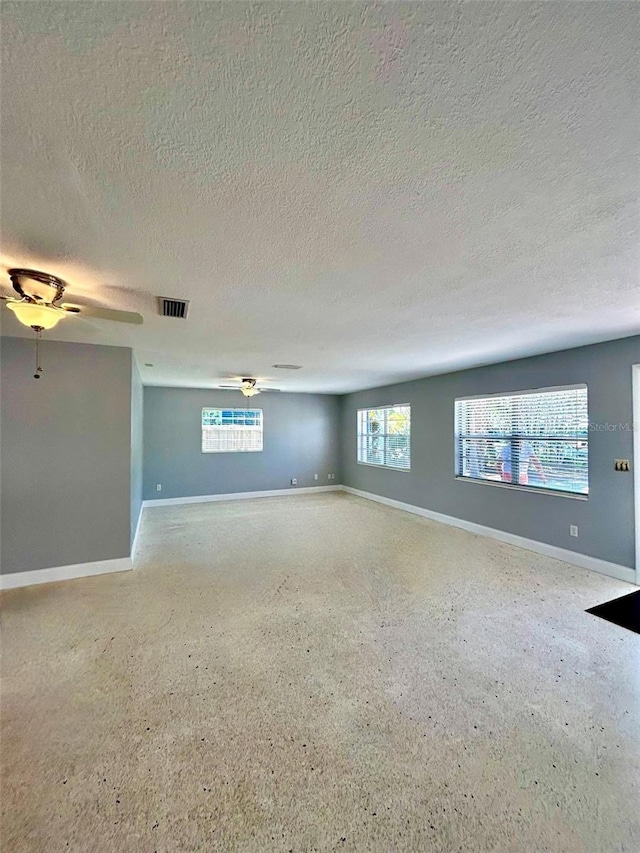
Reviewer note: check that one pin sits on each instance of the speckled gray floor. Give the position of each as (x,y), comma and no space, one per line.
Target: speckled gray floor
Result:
(319,673)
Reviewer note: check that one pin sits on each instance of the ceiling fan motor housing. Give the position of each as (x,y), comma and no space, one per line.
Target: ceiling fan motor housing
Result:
(26,284)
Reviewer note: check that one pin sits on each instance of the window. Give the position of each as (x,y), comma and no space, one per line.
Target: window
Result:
(538,439)
(231,430)
(384,437)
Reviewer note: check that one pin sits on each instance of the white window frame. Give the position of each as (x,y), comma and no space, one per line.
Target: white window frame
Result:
(384,434)
(516,486)
(230,428)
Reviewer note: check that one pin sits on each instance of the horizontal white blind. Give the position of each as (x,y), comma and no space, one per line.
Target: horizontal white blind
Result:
(536,438)
(384,437)
(231,430)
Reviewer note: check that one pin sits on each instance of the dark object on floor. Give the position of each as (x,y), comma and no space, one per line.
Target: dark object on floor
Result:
(623,611)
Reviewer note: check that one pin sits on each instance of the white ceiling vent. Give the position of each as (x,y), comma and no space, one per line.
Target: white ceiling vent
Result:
(173,307)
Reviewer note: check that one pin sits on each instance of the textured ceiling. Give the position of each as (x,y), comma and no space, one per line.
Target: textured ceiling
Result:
(375,192)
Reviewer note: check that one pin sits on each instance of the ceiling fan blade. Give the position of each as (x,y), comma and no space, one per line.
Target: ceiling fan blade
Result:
(104,313)
(269,389)
(232,387)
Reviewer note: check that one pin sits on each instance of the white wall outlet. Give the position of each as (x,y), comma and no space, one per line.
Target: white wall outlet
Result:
(573,529)
(329,476)
(315,476)
(294,482)
(159,487)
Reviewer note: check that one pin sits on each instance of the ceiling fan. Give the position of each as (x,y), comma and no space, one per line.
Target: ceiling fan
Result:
(248,387)
(39,304)
(36,306)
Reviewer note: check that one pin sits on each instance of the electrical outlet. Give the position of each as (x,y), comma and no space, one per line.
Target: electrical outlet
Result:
(329,476)
(573,529)
(621,465)
(294,482)
(159,487)
(315,476)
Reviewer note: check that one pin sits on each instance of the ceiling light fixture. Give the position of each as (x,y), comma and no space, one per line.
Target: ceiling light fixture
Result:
(35,315)
(248,387)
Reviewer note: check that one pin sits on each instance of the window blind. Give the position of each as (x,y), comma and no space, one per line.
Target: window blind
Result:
(231,430)
(384,437)
(534,438)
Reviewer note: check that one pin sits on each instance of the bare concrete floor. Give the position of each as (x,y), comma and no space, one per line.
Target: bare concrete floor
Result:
(319,673)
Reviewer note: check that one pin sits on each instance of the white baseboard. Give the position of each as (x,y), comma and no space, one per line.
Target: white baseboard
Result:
(59,573)
(613,570)
(64,573)
(237,496)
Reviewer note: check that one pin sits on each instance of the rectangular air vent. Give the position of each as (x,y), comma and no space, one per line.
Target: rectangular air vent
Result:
(173,307)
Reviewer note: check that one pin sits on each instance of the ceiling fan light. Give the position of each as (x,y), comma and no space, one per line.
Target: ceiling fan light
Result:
(249,392)
(36,316)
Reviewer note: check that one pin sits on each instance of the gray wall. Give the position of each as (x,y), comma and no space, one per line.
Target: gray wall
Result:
(605,520)
(301,434)
(72,442)
(65,468)
(137,400)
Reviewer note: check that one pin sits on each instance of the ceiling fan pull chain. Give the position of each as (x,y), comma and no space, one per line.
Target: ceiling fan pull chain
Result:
(36,375)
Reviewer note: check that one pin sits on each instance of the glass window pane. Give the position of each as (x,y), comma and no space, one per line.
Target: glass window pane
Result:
(384,437)
(537,439)
(231,430)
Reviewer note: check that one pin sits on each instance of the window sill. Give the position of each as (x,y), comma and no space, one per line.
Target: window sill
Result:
(385,467)
(251,450)
(517,488)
